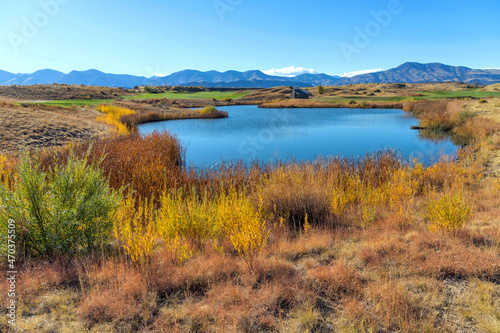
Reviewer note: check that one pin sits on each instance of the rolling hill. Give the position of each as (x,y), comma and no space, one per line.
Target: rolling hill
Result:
(410,72)
(414,72)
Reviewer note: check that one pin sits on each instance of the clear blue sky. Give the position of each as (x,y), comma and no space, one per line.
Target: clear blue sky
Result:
(164,36)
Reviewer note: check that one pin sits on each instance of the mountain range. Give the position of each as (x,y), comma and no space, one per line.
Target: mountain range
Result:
(410,72)
(414,72)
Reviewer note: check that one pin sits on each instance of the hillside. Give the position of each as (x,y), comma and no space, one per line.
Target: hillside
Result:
(413,72)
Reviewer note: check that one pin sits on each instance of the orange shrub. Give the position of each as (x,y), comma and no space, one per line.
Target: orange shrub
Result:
(147,164)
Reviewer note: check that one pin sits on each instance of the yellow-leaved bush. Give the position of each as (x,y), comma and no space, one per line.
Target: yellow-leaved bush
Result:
(188,221)
(402,190)
(135,229)
(351,192)
(244,225)
(112,116)
(7,171)
(448,211)
(189,216)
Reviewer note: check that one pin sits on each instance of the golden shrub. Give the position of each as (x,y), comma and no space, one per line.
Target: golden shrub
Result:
(135,228)
(448,211)
(113,115)
(7,171)
(208,109)
(188,217)
(402,189)
(249,233)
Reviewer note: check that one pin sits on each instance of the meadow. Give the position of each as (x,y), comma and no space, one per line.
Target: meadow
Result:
(374,93)
(418,95)
(189,95)
(78,102)
(372,244)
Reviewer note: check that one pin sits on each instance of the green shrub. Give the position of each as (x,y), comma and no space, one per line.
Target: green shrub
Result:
(64,210)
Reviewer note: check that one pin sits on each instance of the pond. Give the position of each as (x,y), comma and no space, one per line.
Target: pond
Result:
(251,133)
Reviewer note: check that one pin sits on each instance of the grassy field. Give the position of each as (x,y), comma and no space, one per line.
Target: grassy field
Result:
(265,95)
(79,102)
(189,95)
(419,95)
(220,95)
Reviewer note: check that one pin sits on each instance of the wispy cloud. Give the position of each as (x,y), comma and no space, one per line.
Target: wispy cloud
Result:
(290,71)
(366,71)
(159,74)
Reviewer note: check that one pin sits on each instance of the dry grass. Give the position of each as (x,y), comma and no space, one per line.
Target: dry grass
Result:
(131,121)
(37,127)
(60,92)
(112,115)
(324,104)
(147,165)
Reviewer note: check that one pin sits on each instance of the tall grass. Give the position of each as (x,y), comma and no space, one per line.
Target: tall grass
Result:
(113,116)
(7,171)
(145,164)
(136,230)
(132,120)
(326,104)
(449,211)
(451,116)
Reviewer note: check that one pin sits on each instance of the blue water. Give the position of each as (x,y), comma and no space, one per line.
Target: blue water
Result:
(268,134)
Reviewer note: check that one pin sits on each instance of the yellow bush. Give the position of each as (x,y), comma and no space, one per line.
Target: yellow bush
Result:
(449,211)
(135,228)
(208,109)
(113,115)
(188,217)
(402,190)
(7,172)
(497,185)
(185,217)
(178,249)
(338,202)
(349,192)
(248,232)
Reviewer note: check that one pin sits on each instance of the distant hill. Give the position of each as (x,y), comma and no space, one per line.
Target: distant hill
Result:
(6,76)
(248,79)
(38,77)
(414,72)
(410,72)
(94,77)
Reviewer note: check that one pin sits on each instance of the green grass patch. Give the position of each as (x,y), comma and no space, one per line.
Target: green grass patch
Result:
(79,102)
(476,93)
(344,99)
(190,95)
(427,95)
